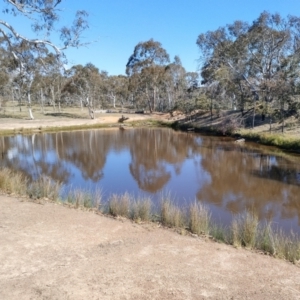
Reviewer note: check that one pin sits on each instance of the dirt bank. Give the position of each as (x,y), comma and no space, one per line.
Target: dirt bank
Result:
(60,121)
(52,252)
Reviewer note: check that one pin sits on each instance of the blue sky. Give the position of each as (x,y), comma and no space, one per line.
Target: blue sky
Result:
(118,25)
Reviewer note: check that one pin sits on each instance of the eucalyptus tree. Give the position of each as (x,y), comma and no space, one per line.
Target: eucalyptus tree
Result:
(49,81)
(4,78)
(145,69)
(117,89)
(43,17)
(176,82)
(224,58)
(82,83)
(250,60)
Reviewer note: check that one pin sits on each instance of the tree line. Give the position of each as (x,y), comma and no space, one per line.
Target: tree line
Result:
(251,67)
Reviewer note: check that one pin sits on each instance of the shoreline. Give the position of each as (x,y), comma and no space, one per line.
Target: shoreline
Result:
(55,252)
(289,141)
(245,231)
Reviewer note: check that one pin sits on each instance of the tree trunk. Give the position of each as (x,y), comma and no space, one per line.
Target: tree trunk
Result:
(114,100)
(211,109)
(53,97)
(29,101)
(148,100)
(30,113)
(91,112)
(282,118)
(253,117)
(42,102)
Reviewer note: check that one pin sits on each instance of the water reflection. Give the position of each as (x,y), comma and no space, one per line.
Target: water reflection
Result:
(229,177)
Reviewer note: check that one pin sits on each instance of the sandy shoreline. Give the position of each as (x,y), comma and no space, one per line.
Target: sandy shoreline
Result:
(52,252)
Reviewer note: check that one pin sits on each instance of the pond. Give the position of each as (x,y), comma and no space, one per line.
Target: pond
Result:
(228,177)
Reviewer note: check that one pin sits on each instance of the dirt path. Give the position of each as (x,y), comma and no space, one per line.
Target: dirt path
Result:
(51,252)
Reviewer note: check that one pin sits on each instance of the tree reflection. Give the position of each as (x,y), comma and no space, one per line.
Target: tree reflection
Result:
(152,151)
(236,181)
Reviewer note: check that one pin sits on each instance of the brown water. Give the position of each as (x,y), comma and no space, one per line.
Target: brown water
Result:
(228,177)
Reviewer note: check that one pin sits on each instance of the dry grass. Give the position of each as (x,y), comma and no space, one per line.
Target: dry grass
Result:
(12,183)
(244,229)
(287,246)
(119,205)
(44,187)
(141,209)
(85,198)
(278,243)
(170,214)
(199,218)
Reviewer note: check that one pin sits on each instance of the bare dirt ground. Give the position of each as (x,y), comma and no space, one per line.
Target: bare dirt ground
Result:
(64,121)
(52,252)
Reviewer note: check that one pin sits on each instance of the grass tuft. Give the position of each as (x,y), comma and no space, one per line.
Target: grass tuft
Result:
(44,187)
(12,183)
(199,219)
(84,198)
(244,229)
(287,246)
(141,210)
(119,205)
(170,214)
